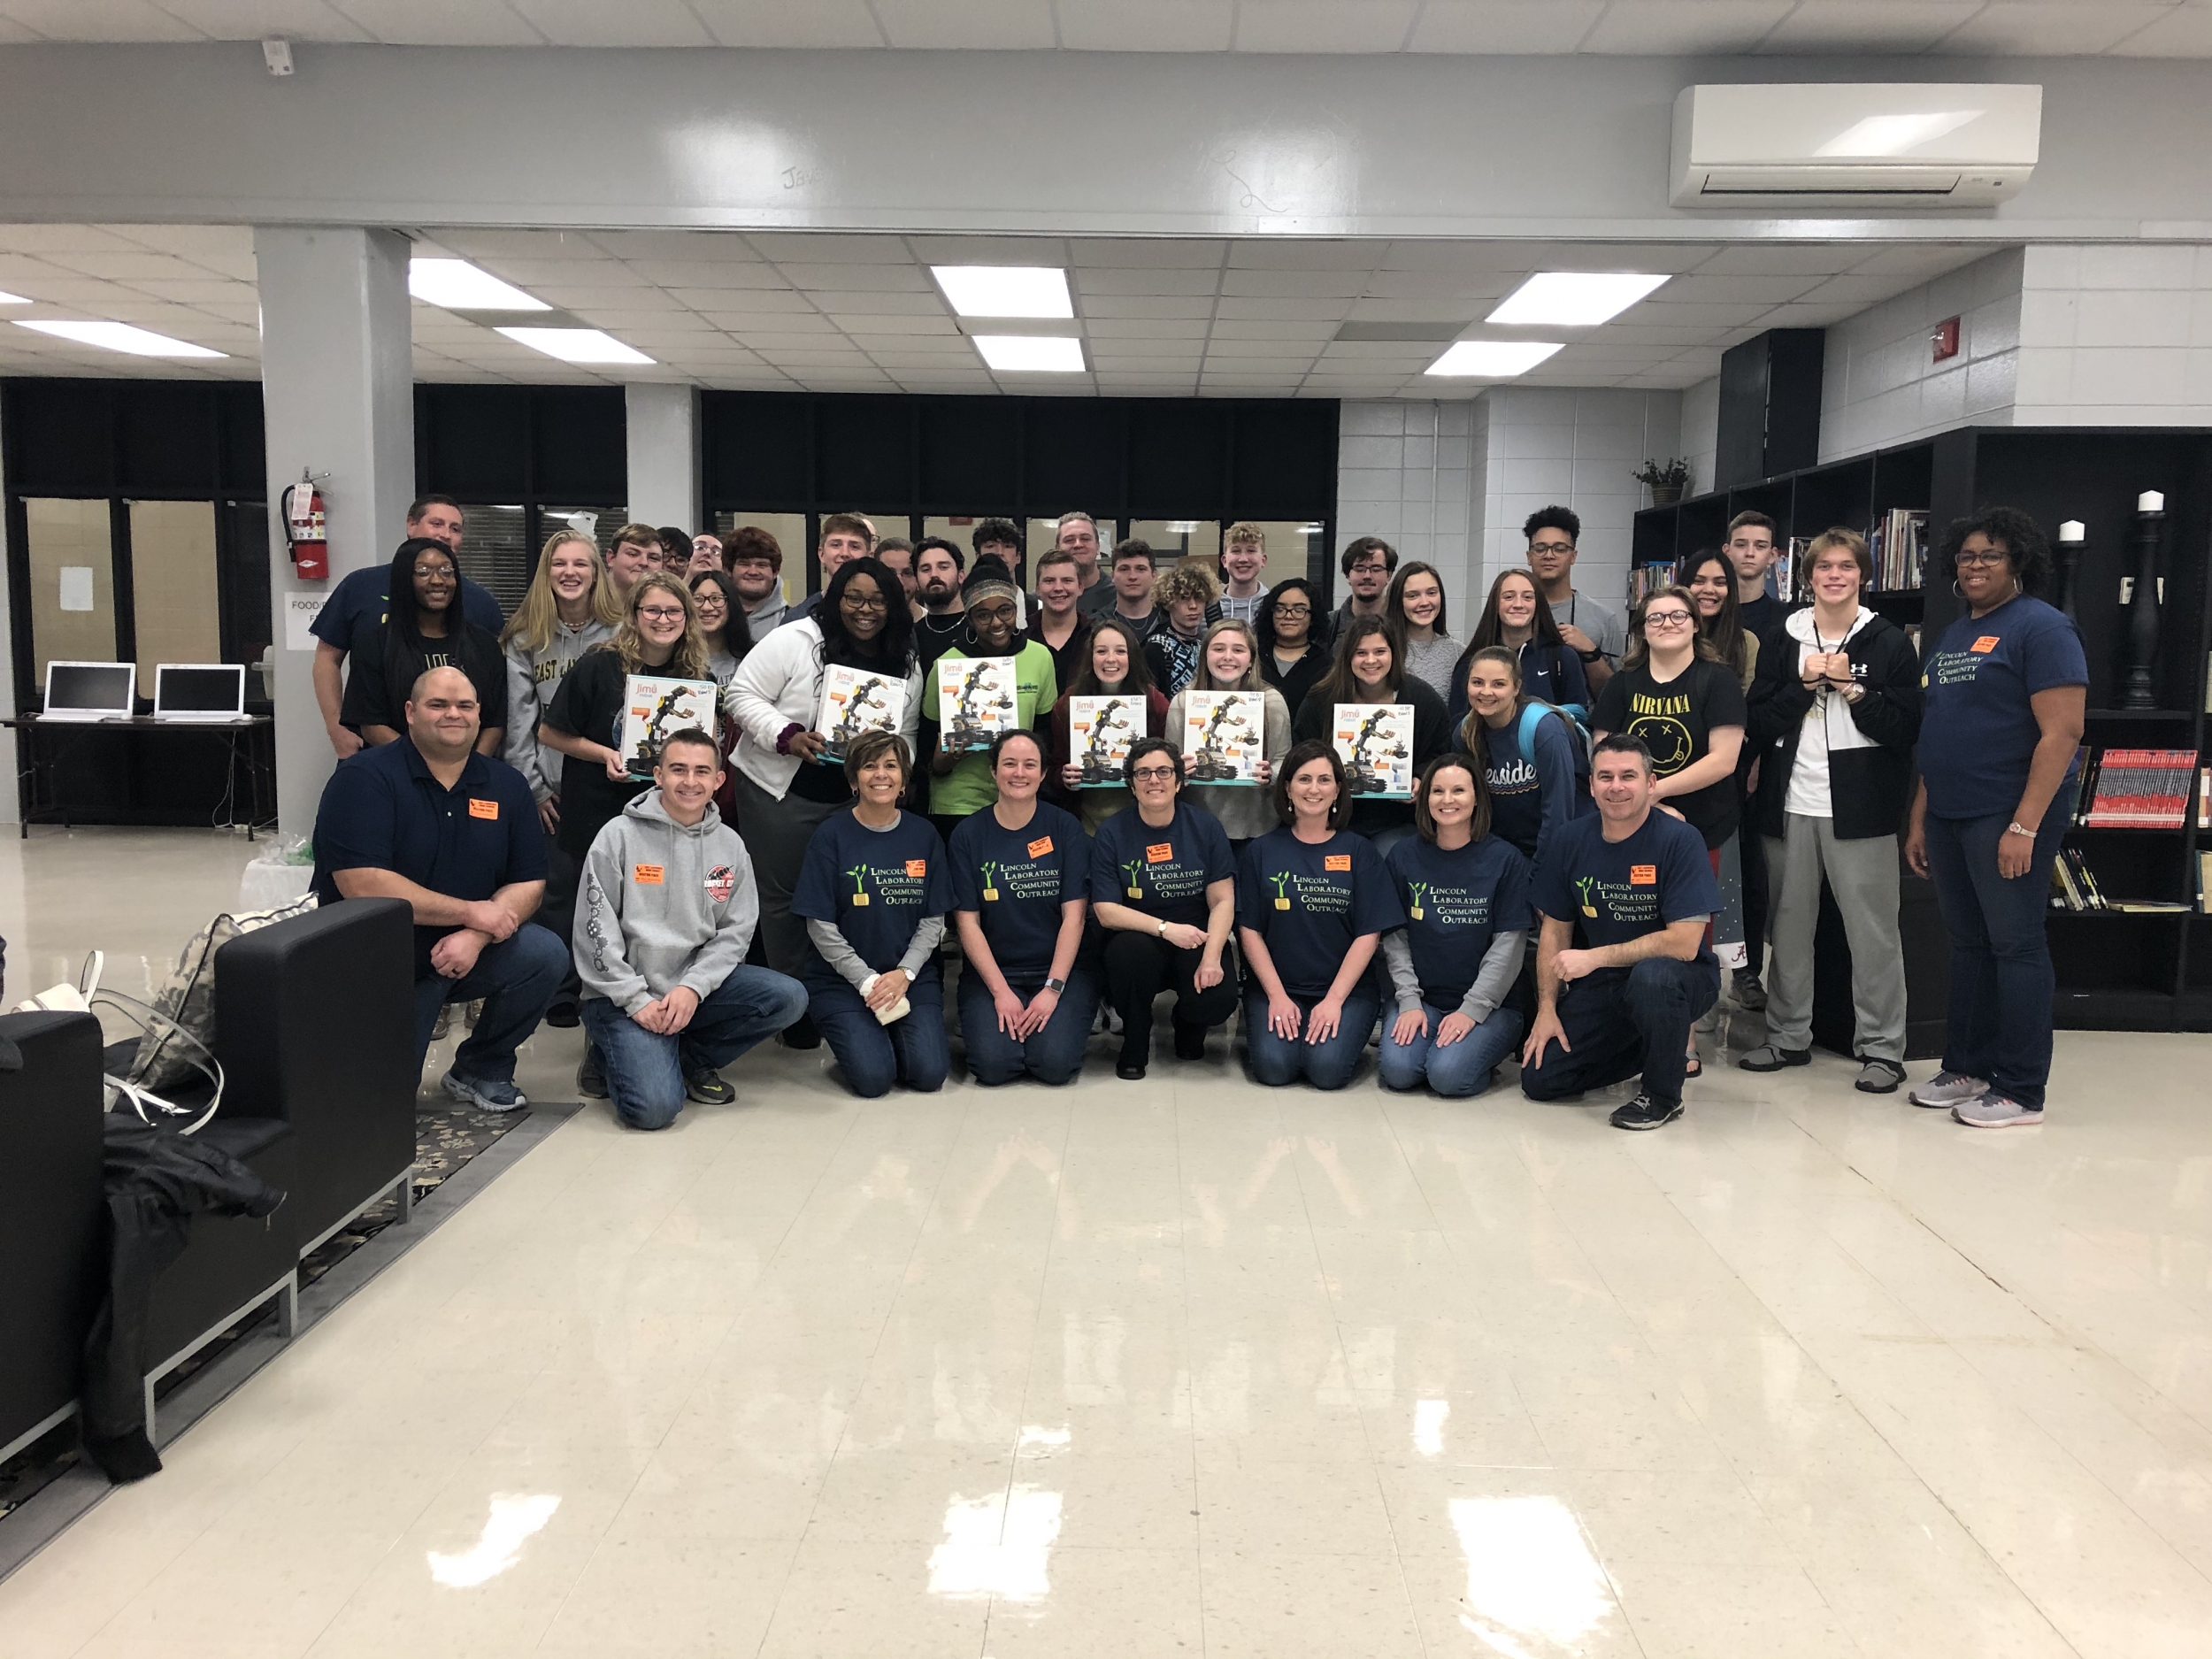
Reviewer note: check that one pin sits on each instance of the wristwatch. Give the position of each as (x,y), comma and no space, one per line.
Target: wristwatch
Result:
(2019,829)
(1163,930)
(1590,657)
(1055,986)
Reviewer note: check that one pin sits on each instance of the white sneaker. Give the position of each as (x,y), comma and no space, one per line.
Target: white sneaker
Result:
(1995,1111)
(1948,1089)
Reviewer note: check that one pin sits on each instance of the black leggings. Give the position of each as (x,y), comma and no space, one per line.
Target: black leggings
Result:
(1140,966)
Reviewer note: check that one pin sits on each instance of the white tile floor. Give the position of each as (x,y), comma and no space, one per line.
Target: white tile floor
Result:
(1195,1366)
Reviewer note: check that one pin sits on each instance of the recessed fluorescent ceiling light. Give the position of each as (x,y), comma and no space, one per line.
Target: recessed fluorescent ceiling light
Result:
(1492,359)
(576,345)
(13,299)
(139,342)
(1572,299)
(1031,354)
(459,286)
(1005,290)
(1896,135)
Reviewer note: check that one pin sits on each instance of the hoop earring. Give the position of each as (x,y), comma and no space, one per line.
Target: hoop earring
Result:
(1956,591)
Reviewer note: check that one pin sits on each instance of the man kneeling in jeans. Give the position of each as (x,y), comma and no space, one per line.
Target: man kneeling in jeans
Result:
(1640,885)
(667,912)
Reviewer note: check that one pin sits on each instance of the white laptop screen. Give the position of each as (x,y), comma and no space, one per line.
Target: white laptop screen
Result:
(198,688)
(101,688)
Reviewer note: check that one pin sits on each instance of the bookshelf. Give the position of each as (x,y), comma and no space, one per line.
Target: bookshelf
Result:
(2117,971)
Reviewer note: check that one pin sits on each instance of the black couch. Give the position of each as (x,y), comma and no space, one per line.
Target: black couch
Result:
(315,1030)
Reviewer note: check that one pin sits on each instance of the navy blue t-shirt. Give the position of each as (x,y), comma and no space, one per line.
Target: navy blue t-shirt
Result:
(382,810)
(1531,796)
(361,597)
(1978,732)
(1310,900)
(1016,881)
(1164,872)
(1617,891)
(1455,903)
(875,887)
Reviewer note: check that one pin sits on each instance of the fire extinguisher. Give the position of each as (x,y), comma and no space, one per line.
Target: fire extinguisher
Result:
(306,529)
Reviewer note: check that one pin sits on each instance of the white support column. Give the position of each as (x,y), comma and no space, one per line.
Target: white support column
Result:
(663,448)
(337,389)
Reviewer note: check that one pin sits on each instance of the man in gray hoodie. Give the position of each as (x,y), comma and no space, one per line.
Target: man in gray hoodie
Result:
(667,913)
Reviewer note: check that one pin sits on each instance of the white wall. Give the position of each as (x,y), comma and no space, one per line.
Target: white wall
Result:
(1700,433)
(1881,384)
(1403,472)
(1575,448)
(2115,336)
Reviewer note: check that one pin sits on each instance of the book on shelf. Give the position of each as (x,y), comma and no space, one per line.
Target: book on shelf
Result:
(1898,549)
(2138,788)
(2072,887)
(1645,579)
(1787,577)
(2204,877)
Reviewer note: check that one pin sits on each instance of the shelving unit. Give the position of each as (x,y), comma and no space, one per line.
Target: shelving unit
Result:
(2117,971)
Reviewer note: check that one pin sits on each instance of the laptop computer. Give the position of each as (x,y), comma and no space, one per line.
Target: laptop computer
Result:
(90,691)
(199,691)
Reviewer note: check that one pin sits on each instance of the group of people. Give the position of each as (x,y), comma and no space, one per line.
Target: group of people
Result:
(1637,800)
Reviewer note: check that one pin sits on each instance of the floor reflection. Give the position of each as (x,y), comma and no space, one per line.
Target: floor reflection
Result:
(1534,1589)
(998,1546)
(514,1521)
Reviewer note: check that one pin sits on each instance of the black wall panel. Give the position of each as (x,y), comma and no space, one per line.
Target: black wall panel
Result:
(864,451)
(970,454)
(580,449)
(1076,454)
(758,448)
(472,441)
(1282,451)
(1178,454)
(61,437)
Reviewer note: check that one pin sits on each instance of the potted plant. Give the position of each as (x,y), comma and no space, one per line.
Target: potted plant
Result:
(1667,482)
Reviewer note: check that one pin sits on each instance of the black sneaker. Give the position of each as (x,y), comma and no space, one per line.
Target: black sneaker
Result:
(1130,1067)
(1190,1042)
(1644,1112)
(1749,994)
(591,1082)
(801,1033)
(709,1088)
(1767,1057)
(564,1016)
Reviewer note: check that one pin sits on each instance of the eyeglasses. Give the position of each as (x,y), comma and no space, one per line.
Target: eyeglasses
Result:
(1666,618)
(1551,547)
(1293,611)
(661,613)
(435,573)
(991,613)
(1988,556)
(1370,567)
(1153,774)
(854,602)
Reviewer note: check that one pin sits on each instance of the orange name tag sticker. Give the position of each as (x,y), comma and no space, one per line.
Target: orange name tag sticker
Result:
(1336,861)
(1038,848)
(483,809)
(1159,852)
(1643,875)
(918,868)
(1982,647)
(647,875)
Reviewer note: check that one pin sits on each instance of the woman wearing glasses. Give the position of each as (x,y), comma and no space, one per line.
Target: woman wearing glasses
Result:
(422,628)
(1292,651)
(961,780)
(1163,887)
(1313,901)
(787,784)
(2006,684)
(1675,694)
(714,594)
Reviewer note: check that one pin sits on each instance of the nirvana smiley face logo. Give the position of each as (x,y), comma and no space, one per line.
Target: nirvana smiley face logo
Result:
(1668,741)
(721,882)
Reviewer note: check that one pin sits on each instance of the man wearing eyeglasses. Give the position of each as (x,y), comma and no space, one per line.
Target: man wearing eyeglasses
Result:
(1751,552)
(1367,564)
(1594,633)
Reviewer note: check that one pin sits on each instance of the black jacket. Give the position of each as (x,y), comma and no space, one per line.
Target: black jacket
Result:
(1869,788)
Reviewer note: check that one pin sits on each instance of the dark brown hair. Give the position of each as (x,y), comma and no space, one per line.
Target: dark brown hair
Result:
(1303,755)
(1423,821)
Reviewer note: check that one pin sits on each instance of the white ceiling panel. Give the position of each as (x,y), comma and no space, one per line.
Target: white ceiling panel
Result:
(2184,32)
(1164,25)
(972,25)
(780,23)
(441,23)
(628,23)
(747,303)
(257,20)
(1346,285)
(1095,281)
(1146,305)
(2021,27)
(1639,27)
(1853,26)
(1201,253)
(1494,26)
(1324,25)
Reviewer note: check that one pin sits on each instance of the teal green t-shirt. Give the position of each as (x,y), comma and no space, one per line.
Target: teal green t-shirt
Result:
(968,787)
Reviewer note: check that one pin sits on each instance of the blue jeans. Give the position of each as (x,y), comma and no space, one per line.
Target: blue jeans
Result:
(515,978)
(645,1070)
(1456,1070)
(2001,980)
(1277,1060)
(914,1051)
(1053,1054)
(1621,1024)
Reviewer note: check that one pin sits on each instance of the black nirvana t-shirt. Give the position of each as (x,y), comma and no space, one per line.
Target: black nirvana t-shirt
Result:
(1675,720)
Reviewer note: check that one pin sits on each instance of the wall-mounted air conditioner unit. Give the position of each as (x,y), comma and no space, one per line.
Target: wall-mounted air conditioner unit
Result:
(1885,147)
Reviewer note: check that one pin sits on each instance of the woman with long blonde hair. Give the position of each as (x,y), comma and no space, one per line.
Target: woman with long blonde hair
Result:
(569,607)
(1229,660)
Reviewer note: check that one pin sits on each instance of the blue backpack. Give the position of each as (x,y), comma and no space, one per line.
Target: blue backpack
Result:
(1577,723)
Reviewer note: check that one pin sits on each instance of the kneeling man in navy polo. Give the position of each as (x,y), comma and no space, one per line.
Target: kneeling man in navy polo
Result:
(456,835)
(1637,882)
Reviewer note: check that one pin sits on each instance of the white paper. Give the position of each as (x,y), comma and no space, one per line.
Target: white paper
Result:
(300,612)
(1101,732)
(1375,742)
(1222,737)
(654,709)
(975,701)
(857,700)
(76,588)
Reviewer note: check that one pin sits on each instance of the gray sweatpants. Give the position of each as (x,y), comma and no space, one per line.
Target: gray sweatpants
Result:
(1862,874)
(775,833)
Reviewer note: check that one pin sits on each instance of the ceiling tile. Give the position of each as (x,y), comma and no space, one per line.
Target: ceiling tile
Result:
(1147,305)
(1200,253)
(1309,309)
(1146,25)
(1675,27)
(257,20)
(1502,28)
(1781,259)
(1868,26)
(1046,250)
(1699,288)
(2036,28)
(743,302)
(857,279)
(826,247)
(1141,327)
(1273,253)
(729,274)
(117,20)
(631,23)
(441,23)
(915,328)
(1346,285)
(2183,32)
(630,299)
(790,23)
(968,26)
(1093,281)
